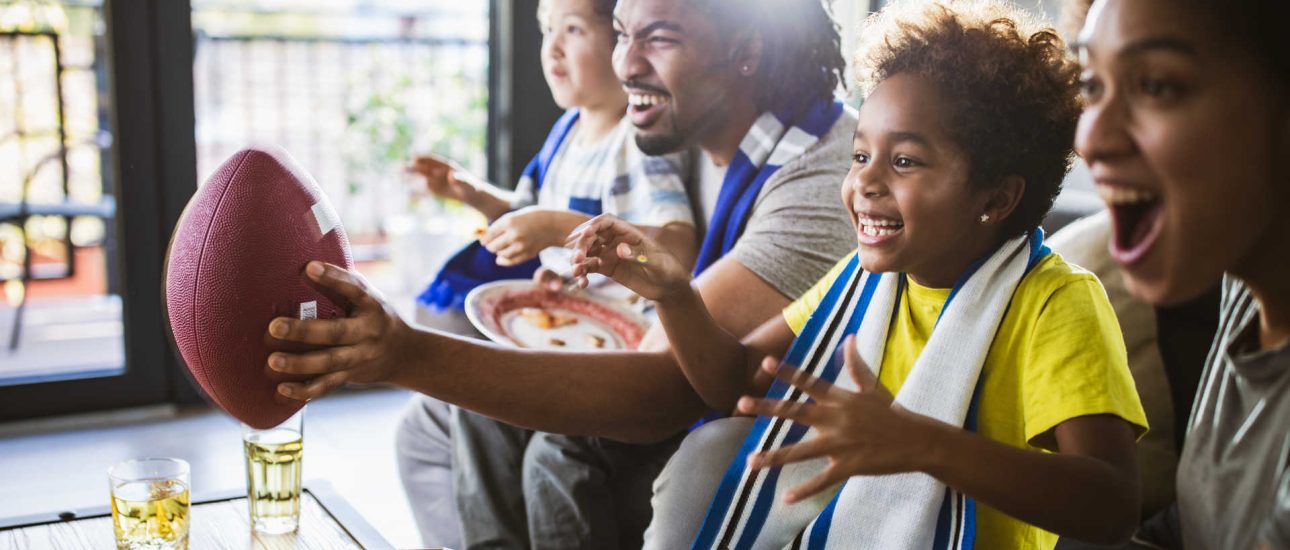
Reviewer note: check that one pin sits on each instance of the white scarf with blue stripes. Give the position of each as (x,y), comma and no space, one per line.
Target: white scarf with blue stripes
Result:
(911,510)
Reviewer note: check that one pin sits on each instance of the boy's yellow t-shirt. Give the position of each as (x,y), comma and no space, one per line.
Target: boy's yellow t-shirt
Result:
(1058,355)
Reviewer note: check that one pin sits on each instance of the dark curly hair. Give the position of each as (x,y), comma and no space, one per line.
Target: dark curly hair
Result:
(1012,87)
(801,54)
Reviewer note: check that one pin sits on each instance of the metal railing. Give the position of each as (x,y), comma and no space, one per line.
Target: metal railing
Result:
(350,109)
(21,49)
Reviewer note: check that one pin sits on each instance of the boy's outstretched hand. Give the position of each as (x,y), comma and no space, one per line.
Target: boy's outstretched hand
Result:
(618,250)
(367,347)
(861,433)
(443,178)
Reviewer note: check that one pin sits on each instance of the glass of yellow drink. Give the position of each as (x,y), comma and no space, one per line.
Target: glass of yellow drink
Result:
(273,474)
(150,503)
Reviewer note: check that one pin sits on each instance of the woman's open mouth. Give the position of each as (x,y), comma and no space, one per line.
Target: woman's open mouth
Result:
(645,108)
(1135,216)
(872,230)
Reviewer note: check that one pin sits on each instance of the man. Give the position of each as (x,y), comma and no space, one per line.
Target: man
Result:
(750,83)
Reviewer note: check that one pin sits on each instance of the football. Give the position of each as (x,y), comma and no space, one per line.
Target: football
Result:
(235,262)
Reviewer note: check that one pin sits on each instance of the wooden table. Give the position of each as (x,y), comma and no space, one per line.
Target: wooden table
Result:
(219,521)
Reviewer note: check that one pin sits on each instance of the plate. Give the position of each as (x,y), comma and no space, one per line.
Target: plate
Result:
(504,311)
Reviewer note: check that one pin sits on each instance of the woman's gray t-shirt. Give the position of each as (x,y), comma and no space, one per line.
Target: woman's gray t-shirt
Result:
(1233,468)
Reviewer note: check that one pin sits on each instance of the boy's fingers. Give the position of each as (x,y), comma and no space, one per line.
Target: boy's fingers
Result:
(764,376)
(859,370)
(497,241)
(819,390)
(820,482)
(797,452)
(797,411)
(511,255)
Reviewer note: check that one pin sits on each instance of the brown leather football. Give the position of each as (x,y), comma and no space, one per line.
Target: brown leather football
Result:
(235,262)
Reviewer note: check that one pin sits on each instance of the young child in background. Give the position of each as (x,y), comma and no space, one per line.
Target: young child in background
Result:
(588,165)
(1014,414)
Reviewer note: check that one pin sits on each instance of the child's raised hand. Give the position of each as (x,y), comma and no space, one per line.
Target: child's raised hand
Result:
(443,177)
(860,433)
(518,236)
(618,250)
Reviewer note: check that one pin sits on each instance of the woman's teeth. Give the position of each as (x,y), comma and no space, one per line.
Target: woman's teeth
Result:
(645,100)
(1118,196)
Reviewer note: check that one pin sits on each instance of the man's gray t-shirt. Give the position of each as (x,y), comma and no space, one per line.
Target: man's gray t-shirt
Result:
(1238,443)
(798,228)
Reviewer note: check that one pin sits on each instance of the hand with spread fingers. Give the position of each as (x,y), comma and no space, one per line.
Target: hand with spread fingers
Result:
(616,249)
(861,433)
(366,347)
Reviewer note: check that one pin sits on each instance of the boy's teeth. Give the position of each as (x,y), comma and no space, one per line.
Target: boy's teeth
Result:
(876,231)
(880,223)
(1123,195)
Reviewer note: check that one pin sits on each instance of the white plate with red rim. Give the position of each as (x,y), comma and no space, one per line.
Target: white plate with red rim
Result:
(522,314)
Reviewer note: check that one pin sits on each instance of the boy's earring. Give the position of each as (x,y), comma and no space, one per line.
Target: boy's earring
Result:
(984,218)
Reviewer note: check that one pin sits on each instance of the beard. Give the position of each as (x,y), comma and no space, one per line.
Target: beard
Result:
(674,139)
(659,145)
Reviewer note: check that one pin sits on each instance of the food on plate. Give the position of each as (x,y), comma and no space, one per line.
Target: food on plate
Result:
(520,313)
(541,318)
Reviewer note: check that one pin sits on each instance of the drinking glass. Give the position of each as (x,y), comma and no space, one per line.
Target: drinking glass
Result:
(150,503)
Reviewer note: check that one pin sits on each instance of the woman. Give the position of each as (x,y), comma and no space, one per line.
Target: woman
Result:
(1186,130)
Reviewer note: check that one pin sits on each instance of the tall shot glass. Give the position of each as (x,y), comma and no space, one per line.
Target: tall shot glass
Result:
(273,462)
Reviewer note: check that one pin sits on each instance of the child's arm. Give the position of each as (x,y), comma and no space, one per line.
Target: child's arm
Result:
(1089,490)
(517,237)
(447,180)
(718,366)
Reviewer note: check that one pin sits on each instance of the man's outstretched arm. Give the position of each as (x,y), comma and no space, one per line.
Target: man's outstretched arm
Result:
(629,396)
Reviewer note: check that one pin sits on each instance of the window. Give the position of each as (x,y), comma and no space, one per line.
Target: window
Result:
(61,307)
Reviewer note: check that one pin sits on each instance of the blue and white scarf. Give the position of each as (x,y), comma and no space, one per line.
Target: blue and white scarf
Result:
(911,510)
(474,265)
(776,138)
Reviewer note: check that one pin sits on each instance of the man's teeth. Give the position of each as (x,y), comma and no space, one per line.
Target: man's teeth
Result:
(1114,196)
(879,228)
(645,100)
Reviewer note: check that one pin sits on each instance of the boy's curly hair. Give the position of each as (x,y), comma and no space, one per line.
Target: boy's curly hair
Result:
(1012,86)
